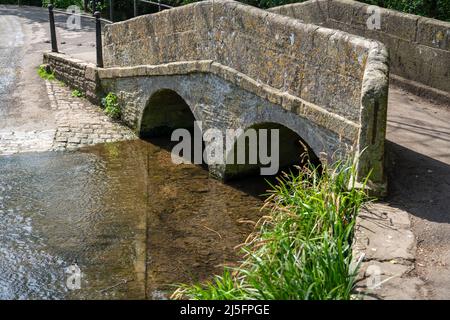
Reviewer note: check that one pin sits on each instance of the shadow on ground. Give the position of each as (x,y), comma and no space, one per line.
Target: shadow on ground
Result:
(418,184)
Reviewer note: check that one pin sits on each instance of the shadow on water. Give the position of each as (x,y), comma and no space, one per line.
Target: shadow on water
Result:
(130,219)
(253,185)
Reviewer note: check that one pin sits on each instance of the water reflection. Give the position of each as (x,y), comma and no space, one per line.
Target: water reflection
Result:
(130,219)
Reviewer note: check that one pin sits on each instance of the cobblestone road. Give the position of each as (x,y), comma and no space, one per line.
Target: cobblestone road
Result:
(25,141)
(78,123)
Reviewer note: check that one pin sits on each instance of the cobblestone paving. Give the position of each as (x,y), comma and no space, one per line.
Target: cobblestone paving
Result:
(25,141)
(78,123)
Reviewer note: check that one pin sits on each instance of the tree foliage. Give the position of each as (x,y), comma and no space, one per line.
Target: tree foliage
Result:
(439,9)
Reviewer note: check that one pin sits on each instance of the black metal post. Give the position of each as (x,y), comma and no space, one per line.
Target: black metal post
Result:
(98,39)
(52,28)
(135,8)
(111,10)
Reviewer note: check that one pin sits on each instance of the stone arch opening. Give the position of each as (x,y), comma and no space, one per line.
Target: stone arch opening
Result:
(292,150)
(165,111)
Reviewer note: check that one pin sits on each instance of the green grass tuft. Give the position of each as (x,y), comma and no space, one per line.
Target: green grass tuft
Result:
(42,72)
(302,248)
(77,93)
(111,105)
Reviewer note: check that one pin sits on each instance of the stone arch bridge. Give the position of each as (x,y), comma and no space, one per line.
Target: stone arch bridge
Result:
(231,65)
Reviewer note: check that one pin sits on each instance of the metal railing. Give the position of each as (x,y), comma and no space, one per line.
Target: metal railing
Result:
(159,4)
(98,31)
(107,21)
(98,21)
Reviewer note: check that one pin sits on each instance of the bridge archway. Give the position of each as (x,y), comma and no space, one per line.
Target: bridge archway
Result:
(292,150)
(164,112)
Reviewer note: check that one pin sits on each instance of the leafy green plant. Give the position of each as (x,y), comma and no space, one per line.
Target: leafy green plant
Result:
(77,93)
(302,248)
(111,105)
(45,74)
(63,4)
(438,9)
(22,2)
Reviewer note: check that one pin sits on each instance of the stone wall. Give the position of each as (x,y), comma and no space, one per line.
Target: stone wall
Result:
(419,47)
(76,73)
(237,66)
(330,70)
(280,52)
(221,103)
(109,78)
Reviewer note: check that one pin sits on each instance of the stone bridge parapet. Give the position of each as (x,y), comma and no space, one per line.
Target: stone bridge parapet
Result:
(419,47)
(237,66)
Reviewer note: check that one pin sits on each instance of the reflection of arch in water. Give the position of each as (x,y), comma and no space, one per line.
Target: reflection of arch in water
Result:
(292,150)
(166,110)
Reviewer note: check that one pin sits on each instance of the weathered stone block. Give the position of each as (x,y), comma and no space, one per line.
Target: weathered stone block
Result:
(399,25)
(433,33)
(340,10)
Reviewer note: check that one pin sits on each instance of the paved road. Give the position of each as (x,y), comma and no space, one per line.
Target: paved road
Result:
(407,236)
(24,104)
(30,121)
(12,38)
